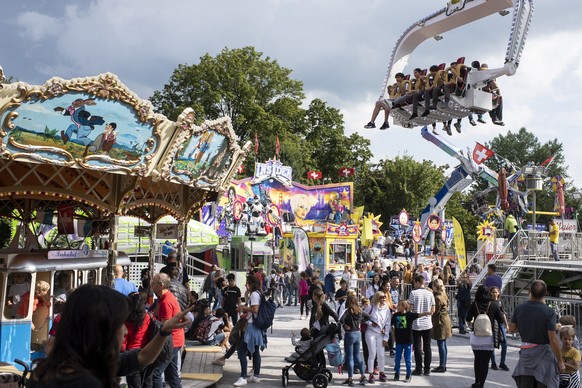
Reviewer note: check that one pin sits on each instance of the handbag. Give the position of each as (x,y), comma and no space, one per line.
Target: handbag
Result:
(237,331)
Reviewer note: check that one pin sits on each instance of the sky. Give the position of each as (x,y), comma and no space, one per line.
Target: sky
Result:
(339,49)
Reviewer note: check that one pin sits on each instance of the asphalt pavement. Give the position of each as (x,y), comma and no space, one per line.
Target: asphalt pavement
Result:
(459,365)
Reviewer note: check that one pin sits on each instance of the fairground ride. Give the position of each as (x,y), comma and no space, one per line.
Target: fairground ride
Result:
(469,96)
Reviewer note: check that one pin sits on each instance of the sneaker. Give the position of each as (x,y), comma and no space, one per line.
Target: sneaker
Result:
(448,130)
(457,127)
(375,371)
(382,378)
(499,122)
(240,382)
(363,380)
(426,372)
(348,381)
(408,378)
(417,372)
(371,378)
(385,126)
(425,113)
(219,361)
(472,122)
(413,116)
(494,367)
(480,119)
(396,376)
(435,131)
(504,367)
(392,352)
(439,369)
(254,379)
(370,125)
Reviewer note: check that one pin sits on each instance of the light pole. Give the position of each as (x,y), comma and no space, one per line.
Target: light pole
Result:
(533,183)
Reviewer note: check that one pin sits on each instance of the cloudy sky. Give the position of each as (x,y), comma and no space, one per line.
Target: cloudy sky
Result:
(338,48)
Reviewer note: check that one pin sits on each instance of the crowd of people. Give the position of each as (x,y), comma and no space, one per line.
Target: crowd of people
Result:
(381,307)
(429,86)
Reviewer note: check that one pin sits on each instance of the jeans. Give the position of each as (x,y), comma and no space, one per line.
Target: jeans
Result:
(513,244)
(407,350)
(242,357)
(481,366)
(170,371)
(462,314)
(421,340)
(352,352)
(141,379)
(503,343)
(554,250)
(442,345)
(293,292)
(304,299)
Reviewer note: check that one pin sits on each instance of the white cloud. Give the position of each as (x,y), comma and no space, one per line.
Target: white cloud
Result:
(37,27)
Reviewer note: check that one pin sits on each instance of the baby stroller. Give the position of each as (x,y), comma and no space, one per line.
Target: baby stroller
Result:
(308,366)
(11,377)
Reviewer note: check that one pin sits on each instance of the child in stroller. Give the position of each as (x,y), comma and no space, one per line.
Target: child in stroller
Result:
(308,366)
(300,346)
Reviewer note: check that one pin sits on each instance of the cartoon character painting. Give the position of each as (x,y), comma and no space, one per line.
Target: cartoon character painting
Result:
(83,121)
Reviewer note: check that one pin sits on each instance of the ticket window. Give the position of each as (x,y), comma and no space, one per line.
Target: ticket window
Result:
(340,253)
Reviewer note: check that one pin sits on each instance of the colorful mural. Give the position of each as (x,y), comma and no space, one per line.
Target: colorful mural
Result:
(264,204)
(202,158)
(87,128)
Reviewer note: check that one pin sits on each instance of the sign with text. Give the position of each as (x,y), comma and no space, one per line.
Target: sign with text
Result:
(566,226)
(142,230)
(76,253)
(167,231)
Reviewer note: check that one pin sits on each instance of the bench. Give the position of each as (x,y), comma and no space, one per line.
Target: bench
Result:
(197,368)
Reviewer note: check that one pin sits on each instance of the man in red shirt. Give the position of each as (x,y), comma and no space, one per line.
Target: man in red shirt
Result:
(168,307)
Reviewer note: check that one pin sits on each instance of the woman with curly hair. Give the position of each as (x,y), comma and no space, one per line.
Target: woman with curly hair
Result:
(88,353)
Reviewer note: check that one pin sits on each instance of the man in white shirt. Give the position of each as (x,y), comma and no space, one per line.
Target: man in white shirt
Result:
(421,301)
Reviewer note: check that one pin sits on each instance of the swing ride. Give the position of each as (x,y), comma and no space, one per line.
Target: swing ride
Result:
(466,85)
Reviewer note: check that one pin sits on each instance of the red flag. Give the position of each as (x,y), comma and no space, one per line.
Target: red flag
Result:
(314,175)
(548,161)
(347,171)
(481,153)
(277,147)
(65,219)
(256,144)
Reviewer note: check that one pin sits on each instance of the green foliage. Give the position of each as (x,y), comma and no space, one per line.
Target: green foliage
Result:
(5,232)
(402,183)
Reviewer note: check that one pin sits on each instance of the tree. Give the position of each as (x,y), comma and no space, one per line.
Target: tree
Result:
(402,183)
(255,92)
(260,97)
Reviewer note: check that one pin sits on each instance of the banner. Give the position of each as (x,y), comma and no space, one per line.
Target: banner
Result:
(301,241)
(65,219)
(459,244)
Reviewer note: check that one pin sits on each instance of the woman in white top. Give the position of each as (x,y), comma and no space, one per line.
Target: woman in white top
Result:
(377,333)
(374,286)
(353,279)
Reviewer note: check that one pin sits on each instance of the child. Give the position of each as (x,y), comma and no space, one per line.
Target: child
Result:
(569,321)
(571,357)
(300,346)
(402,332)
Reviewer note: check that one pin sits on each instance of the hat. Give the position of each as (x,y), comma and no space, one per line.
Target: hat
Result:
(484,67)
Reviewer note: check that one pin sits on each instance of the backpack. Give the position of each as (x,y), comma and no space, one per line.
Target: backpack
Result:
(482,323)
(264,317)
(202,331)
(168,348)
(334,354)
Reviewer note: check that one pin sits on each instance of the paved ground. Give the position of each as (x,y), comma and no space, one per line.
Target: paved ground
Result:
(459,367)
